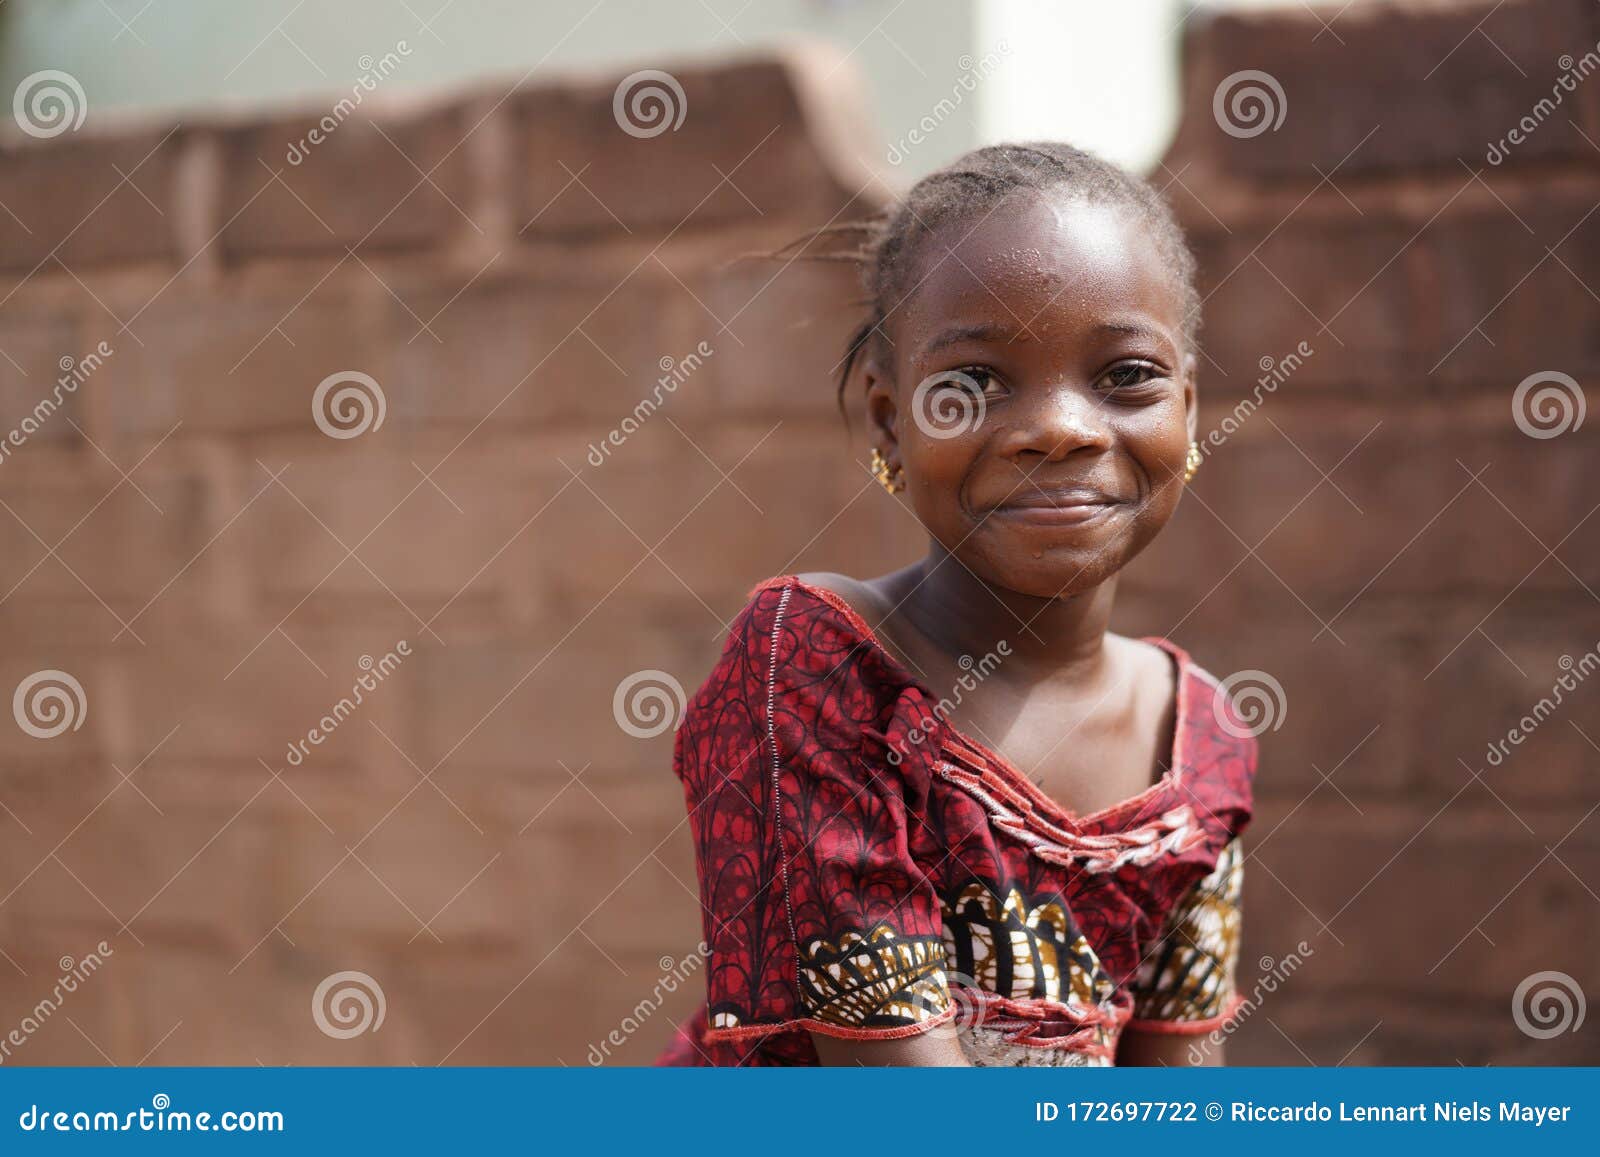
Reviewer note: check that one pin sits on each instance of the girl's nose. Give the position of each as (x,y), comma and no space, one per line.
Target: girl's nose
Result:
(1064,419)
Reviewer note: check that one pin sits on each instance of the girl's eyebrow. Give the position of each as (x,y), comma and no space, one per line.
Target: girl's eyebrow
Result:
(1131,329)
(982,331)
(1000,332)
(1147,332)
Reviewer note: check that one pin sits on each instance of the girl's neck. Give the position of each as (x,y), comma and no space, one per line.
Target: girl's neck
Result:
(1060,638)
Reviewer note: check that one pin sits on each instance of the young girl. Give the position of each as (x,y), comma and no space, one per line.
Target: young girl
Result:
(944,816)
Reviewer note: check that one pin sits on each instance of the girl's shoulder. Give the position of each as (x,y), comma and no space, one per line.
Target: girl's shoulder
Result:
(801,670)
(852,598)
(834,609)
(797,629)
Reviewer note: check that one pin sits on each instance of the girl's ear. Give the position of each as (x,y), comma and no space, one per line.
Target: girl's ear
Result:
(883,415)
(1191,397)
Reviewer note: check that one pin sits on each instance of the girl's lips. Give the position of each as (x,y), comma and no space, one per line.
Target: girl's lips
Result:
(1066,507)
(1067,514)
(1058,508)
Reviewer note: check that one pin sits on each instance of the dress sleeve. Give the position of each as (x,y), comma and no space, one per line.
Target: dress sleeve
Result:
(1187,981)
(817,913)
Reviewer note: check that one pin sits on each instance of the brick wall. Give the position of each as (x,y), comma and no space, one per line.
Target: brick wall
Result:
(1378,533)
(479,836)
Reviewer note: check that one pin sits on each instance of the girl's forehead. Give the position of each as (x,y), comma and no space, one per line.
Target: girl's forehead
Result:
(1035,257)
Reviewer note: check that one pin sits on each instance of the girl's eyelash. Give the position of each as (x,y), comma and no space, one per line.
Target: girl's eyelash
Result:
(1150,370)
(980,375)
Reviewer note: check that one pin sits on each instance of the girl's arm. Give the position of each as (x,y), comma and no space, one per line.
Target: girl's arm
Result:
(926,1050)
(1163,1048)
(1186,987)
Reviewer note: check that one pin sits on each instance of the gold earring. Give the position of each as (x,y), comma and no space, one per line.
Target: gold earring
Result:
(1191,462)
(889,477)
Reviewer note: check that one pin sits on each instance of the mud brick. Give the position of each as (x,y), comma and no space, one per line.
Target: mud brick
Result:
(1327,864)
(743,150)
(512,348)
(1516,291)
(1348,291)
(1505,672)
(804,313)
(250,362)
(39,356)
(390,180)
(1440,84)
(87,200)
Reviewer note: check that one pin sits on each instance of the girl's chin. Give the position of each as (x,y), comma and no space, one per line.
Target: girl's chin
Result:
(1049,572)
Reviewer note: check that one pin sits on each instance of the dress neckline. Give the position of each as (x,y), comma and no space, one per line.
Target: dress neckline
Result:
(1046,804)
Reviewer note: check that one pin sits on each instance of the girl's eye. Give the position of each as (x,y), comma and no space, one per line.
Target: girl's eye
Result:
(1130,375)
(971,379)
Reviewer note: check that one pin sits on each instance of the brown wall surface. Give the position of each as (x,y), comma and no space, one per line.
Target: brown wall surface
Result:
(479,836)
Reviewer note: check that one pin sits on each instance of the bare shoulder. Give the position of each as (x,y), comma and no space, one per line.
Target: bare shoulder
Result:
(858,595)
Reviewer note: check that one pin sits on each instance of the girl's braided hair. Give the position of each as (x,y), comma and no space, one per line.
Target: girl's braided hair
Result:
(971,186)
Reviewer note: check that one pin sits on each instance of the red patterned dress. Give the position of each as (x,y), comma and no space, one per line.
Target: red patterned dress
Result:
(868,871)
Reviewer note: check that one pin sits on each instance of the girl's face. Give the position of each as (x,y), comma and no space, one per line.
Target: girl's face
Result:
(1038,393)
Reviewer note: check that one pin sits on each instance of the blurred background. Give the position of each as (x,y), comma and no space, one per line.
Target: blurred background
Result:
(382,409)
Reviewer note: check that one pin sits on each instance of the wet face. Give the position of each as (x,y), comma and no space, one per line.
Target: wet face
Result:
(1038,395)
